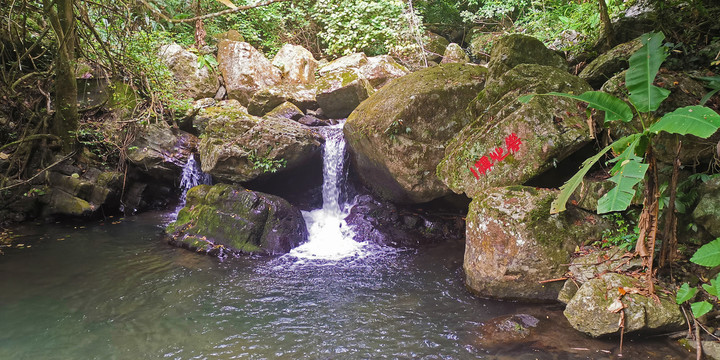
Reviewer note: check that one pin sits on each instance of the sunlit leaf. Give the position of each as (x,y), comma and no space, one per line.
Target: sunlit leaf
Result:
(695,120)
(619,198)
(700,308)
(685,293)
(644,66)
(708,255)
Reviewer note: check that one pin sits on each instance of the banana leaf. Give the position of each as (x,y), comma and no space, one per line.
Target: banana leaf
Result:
(620,197)
(644,66)
(694,120)
(614,108)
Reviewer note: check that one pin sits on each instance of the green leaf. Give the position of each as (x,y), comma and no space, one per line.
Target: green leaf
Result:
(708,254)
(619,198)
(558,205)
(685,293)
(614,108)
(696,120)
(713,288)
(644,66)
(700,308)
(525,98)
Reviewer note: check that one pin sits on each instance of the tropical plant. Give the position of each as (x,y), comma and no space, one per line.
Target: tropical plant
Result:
(635,159)
(709,256)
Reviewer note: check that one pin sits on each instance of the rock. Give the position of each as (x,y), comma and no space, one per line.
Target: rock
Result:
(193,80)
(513,50)
(232,35)
(286,110)
(380,69)
(481,44)
(435,46)
(512,243)
(339,93)
(238,147)
(507,330)
(81,195)
(589,266)
(237,219)
(707,210)
(587,195)
(296,63)
(383,223)
(161,151)
(245,70)
(455,54)
(397,136)
(610,63)
(710,349)
(549,129)
(310,120)
(352,61)
(590,310)
(202,117)
(267,99)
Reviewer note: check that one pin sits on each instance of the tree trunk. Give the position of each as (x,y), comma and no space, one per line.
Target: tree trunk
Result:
(65,122)
(199,26)
(607,31)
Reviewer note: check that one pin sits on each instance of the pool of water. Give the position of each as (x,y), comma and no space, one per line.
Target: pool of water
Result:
(115,290)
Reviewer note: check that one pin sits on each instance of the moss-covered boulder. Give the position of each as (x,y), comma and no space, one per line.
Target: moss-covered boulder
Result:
(237,219)
(352,61)
(610,63)
(513,50)
(512,243)
(707,211)
(81,193)
(269,98)
(455,54)
(193,80)
(592,265)
(286,110)
(340,92)
(380,69)
(397,136)
(239,147)
(296,63)
(435,46)
(161,151)
(514,141)
(245,70)
(595,308)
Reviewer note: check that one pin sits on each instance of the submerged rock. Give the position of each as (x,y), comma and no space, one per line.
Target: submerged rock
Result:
(194,81)
(515,142)
(245,70)
(592,309)
(397,136)
(238,220)
(513,243)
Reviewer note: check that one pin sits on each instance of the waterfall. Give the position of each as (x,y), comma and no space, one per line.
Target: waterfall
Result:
(192,175)
(329,238)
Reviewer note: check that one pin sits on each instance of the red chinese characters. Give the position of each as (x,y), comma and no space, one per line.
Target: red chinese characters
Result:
(485,163)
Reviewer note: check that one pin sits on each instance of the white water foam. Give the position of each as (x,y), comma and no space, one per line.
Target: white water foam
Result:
(192,176)
(330,238)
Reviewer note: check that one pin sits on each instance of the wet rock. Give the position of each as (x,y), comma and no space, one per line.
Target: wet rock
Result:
(267,99)
(237,219)
(339,93)
(80,195)
(513,243)
(548,128)
(238,147)
(455,54)
(245,70)
(610,63)
(505,330)
(296,63)
(383,223)
(513,50)
(161,151)
(707,210)
(397,136)
(591,310)
(286,110)
(193,80)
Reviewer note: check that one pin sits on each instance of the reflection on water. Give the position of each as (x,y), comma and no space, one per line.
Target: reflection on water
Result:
(117,291)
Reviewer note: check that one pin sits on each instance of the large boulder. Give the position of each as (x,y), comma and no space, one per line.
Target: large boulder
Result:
(512,243)
(161,151)
(352,61)
(269,98)
(435,46)
(610,63)
(193,80)
(238,220)
(380,69)
(239,147)
(296,63)
(513,50)
(245,70)
(514,142)
(455,54)
(707,211)
(340,92)
(397,136)
(595,308)
(72,191)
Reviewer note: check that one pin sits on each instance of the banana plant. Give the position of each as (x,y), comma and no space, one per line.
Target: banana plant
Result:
(634,160)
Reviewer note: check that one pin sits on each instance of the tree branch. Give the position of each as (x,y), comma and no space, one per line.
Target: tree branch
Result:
(207,16)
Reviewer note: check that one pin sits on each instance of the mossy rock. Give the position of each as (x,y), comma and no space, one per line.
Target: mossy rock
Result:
(589,310)
(605,66)
(455,54)
(267,99)
(549,128)
(239,220)
(397,136)
(435,46)
(161,151)
(513,50)
(707,211)
(513,242)
(340,92)
(286,110)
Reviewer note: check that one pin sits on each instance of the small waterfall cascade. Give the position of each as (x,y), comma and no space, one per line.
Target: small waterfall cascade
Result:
(192,175)
(330,238)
